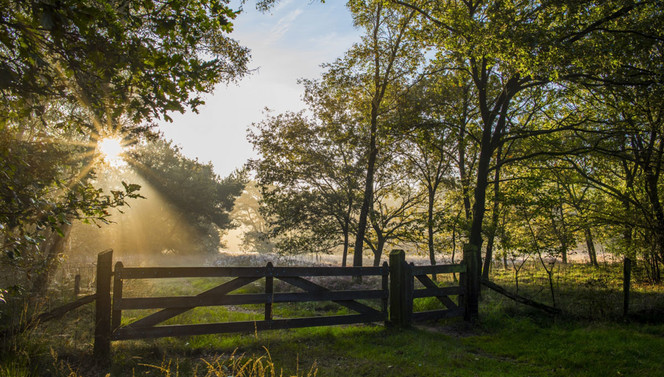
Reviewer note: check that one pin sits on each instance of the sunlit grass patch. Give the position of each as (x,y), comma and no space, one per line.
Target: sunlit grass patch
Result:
(572,348)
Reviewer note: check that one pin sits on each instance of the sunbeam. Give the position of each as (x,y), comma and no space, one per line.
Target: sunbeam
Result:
(112,150)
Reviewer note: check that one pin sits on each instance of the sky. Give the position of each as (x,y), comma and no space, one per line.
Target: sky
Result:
(288,43)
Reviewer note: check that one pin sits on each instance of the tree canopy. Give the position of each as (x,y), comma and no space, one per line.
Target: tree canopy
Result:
(75,72)
(512,116)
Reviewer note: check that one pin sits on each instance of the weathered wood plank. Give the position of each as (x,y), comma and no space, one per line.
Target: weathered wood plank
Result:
(116,314)
(269,291)
(249,326)
(398,288)
(190,272)
(102,343)
(326,271)
(386,291)
(245,299)
(410,287)
(183,272)
(429,284)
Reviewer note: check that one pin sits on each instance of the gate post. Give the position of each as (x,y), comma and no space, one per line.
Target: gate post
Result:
(77,285)
(627,276)
(116,315)
(472,283)
(269,292)
(398,286)
(102,345)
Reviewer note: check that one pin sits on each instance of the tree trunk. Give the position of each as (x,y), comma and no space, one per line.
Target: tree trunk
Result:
(475,238)
(590,244)
(564,241)
(345,253)
(494,219)
(378,253)
(432,252)
(367,202)
(51,249)
(463,175)
(652,180)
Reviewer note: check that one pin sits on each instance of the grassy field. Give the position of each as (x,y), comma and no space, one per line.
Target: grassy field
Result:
(590,339)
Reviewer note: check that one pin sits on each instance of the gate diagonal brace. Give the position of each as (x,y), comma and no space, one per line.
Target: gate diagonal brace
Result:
(443,299)
(168,313)
(313,287)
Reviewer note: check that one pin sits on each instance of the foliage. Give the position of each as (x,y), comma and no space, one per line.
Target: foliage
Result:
(199,197)
(308,175)
(521,59)
(539,117)
(73,73)
(246,212)
(46,186)
(192,186)
(134,60)
(321,158)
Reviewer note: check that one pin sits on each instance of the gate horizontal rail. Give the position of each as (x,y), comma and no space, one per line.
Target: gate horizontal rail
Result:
(192,272)
(245,299)
(246,326)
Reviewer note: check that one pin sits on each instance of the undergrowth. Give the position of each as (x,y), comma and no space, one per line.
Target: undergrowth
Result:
(590,339)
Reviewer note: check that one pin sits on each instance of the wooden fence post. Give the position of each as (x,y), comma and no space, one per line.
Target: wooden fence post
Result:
(472,283)
(385,287)
(398,287)
(102,344)
(77,285)
(410,290)
(269,291)
(627,277)
(116,315)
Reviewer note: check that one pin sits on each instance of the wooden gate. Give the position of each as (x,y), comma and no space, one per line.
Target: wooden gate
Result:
(402,285)
(147,327)
(401,293)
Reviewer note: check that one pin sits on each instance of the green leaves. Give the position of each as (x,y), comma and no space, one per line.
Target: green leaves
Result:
(201,195)
(136,59)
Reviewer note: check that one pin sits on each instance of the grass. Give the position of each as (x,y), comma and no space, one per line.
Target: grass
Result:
(591,339)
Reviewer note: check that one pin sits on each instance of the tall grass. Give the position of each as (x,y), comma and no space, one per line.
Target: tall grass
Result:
(235,365)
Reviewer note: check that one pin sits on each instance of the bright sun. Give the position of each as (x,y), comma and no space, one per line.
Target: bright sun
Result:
(111,150)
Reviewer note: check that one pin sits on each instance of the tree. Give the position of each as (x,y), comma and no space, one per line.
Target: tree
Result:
(201,198)
(436,119)
(396,198)
(246,212)
(626,143)
(510,49)
(135,60)
(72,73)
(382,64)
(46,186)
(308,174)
